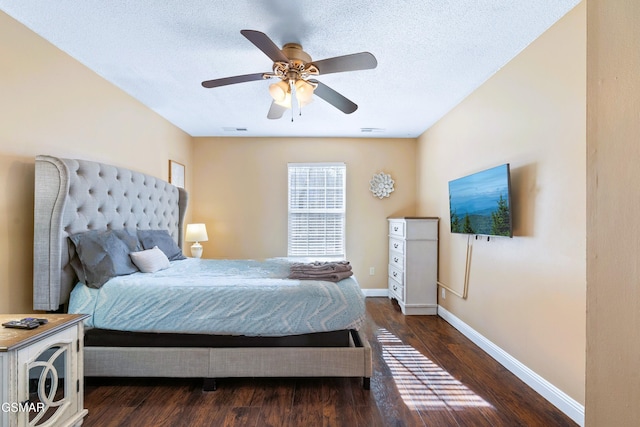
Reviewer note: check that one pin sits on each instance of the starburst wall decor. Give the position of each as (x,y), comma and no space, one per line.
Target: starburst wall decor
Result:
(381,185)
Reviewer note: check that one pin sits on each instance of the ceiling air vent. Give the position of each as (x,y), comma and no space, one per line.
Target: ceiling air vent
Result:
(372,130)
(233,129)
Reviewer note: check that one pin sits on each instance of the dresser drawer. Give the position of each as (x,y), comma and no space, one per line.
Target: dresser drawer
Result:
(396,259)
(396,245)
(396,274)
(396,228)
(396,290)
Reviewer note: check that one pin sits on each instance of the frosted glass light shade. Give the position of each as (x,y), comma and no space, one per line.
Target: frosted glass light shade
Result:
(278,91)
(286,102)
(304,92)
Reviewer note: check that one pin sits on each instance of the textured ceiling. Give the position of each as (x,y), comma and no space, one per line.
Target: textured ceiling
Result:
(431,54)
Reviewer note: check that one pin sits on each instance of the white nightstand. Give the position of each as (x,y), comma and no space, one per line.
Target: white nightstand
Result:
(41,372)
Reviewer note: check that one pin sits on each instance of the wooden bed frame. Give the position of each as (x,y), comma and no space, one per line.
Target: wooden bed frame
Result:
(73,196)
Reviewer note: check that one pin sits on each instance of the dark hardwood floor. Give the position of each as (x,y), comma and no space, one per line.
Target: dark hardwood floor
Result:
(425,374)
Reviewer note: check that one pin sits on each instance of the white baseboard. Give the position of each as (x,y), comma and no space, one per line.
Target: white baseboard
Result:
(376,292)
(557,397)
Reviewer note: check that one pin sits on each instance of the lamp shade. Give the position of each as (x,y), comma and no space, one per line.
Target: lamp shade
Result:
(304,92)
(196,233)
(286,102)
(279,91)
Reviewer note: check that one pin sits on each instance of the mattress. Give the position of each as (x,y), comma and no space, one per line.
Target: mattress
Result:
(224,297)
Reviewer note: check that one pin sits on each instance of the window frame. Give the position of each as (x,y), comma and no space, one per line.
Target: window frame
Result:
(342,212)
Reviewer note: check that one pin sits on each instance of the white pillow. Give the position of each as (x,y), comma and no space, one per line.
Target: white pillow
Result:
(150,261)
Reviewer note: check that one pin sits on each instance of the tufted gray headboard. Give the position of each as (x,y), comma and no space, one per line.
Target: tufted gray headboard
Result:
(73,196)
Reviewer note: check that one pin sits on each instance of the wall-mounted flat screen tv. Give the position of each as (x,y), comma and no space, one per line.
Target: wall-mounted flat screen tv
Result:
(481,203)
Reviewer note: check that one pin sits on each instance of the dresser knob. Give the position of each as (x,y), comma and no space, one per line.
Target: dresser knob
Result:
(395,274)
(395,246)
(395,259)
(395,228)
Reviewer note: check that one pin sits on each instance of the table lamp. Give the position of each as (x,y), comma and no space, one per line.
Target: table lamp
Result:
(196,233)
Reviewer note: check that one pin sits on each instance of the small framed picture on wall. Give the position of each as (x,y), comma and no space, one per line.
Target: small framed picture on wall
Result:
(176,173)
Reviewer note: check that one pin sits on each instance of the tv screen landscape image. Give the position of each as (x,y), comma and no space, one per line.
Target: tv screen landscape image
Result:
(481,203)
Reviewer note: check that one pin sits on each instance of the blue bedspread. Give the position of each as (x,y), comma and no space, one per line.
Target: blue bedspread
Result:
(228,297)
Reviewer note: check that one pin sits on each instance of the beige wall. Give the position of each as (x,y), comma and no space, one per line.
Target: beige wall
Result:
(240,192)
(51,104)
(613,208)
(526,294)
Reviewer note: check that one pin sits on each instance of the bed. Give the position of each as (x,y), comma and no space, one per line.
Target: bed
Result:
(77,197)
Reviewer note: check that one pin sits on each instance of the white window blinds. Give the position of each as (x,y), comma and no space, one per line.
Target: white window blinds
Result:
(316,209)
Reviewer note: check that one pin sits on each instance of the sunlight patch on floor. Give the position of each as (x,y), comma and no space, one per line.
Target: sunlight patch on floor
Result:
(421,383)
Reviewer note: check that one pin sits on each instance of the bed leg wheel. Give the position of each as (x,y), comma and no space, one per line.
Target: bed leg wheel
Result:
(366,383)
(209,384)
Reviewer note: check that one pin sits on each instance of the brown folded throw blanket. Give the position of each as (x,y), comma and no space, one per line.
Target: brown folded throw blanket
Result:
(329,271)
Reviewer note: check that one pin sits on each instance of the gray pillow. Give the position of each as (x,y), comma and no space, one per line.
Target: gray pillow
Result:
(103,255)
(160,238)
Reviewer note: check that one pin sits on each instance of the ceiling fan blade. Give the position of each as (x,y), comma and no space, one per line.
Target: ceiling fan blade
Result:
(276,111)
(353,62)
(232,80)
(334,98)
(264,43)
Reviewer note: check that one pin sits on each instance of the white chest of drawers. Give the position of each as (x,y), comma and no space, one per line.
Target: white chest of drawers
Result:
(413,264)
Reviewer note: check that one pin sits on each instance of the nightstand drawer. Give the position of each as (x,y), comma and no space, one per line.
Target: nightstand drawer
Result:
(396,260)
(396,274)
(396,228)
(396,290)
(396,245)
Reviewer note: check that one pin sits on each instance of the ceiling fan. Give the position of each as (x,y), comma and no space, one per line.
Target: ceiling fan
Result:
(295,70)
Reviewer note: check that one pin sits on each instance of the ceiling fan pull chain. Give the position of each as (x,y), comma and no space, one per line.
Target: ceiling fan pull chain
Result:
(292,90)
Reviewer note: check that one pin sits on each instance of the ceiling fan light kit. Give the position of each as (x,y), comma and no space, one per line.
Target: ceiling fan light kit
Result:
(282,93)
(297,71)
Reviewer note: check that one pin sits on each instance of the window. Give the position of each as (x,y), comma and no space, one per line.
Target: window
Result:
(316,209)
